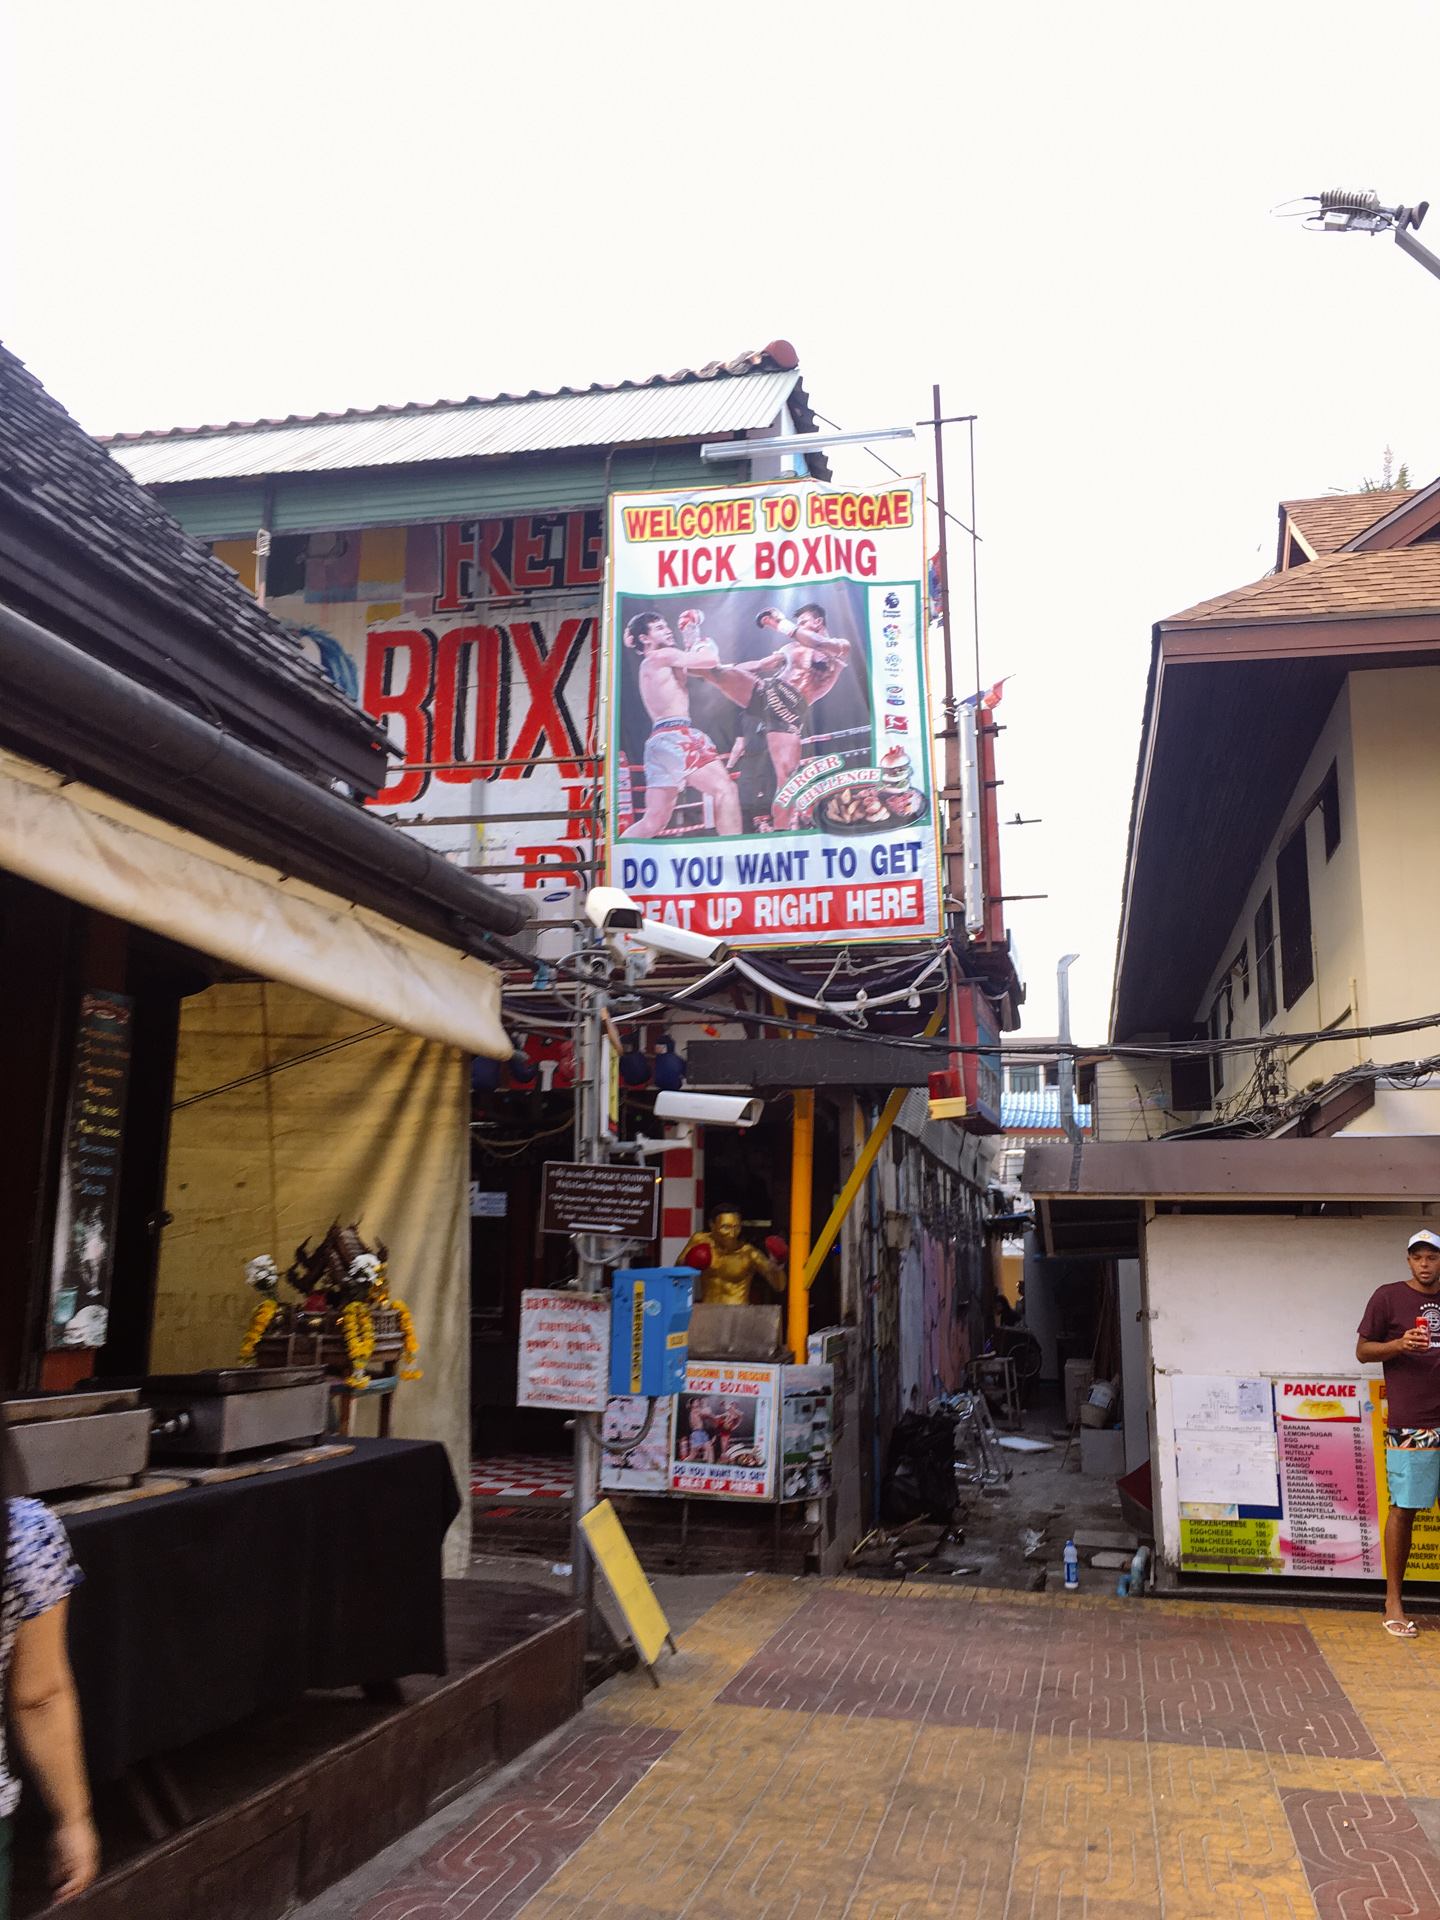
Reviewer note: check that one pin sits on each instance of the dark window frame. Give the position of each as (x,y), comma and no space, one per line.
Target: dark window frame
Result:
(1292,897)
(1265,958)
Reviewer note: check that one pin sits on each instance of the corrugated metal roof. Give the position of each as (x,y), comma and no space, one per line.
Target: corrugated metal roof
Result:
(1032,1112)
(674,407)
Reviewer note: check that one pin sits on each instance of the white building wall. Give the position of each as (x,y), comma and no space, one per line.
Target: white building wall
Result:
(1272,1294)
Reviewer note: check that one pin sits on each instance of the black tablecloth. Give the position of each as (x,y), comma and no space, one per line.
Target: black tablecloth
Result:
(198,1608)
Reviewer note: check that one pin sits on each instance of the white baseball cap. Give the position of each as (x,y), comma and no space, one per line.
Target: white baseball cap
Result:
(1424,1238)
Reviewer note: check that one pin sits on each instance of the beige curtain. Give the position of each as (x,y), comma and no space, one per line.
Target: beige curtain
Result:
(377,1129)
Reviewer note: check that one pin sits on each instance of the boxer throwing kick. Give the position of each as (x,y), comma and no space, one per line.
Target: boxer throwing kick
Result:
(677,753)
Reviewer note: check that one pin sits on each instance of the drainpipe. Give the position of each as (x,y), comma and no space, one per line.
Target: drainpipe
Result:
(262,542)
(1067,1060)
(872,1210)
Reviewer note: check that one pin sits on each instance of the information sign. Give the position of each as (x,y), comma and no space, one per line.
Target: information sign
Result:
(1285,1474)
(564,1351)
(623,1201)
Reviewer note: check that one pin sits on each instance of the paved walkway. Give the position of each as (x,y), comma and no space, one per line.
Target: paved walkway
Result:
(839,1751)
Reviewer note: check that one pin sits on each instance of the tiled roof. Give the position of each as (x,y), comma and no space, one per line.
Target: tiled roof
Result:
(1337,586)
(56,478)
(736,396)
(1327,523)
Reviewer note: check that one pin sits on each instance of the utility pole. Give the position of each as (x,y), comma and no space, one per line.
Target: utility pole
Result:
(954,848)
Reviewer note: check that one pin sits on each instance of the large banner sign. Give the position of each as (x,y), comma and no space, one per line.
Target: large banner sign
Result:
(770,760)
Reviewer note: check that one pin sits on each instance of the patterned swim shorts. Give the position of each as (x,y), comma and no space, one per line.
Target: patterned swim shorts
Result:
(1418,1439)
(676,748)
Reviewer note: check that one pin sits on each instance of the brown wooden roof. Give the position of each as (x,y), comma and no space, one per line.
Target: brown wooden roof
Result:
(1337,586)
(1327,523)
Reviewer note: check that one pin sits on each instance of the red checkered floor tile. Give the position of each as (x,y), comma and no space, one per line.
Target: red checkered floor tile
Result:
(521,1476)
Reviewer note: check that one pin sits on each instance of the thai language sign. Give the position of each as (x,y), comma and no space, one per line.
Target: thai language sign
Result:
(564,1350)
(83,1256)
(770,760)
(1285,1475)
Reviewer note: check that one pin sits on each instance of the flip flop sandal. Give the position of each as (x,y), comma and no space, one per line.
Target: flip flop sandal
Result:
(1402,1629)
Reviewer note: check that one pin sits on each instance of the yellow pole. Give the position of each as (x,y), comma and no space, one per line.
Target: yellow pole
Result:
(872,1146)
(802,1169)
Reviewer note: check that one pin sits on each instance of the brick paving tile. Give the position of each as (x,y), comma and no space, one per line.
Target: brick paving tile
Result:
(488,1869)
(1366,1855)
(839,1751)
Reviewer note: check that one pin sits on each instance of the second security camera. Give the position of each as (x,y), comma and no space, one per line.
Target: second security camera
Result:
(709,1109)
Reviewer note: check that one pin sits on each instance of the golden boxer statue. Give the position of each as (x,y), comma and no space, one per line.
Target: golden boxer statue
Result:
(727,1264)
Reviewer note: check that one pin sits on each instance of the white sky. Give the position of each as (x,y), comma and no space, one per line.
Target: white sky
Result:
(1060,213)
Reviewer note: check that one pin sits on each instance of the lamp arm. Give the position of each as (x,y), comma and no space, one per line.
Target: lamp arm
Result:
(1407,243)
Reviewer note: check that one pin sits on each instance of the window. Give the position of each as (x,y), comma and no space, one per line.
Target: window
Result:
(1052,1074)
(1292,888)
(1025,1079)
(1296,555)
(1265,959)
(1242,967)
(1329,804)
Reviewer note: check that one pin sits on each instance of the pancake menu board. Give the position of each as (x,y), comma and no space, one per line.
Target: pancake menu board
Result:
(1279,1475)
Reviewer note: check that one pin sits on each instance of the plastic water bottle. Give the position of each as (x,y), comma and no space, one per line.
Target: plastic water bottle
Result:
(1072,1568)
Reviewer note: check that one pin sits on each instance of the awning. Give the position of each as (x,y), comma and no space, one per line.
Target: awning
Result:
(81,843)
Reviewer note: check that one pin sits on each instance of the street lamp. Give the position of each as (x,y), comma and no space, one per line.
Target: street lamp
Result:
(1341,212)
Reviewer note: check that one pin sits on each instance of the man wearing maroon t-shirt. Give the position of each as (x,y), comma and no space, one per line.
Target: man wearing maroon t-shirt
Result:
(1410,1354)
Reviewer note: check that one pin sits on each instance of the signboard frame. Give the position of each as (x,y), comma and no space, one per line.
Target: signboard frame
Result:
(850,847)
(585,1178)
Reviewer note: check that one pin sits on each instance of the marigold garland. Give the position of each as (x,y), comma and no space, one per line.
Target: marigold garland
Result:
(264,1313)
(412,1345)
(359,1331)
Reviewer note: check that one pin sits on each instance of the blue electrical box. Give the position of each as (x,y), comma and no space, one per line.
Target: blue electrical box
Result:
(650,1329)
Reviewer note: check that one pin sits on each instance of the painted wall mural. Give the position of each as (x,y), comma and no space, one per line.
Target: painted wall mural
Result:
(475,643)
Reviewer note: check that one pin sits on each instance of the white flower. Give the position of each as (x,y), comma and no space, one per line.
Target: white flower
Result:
(262,1273)
(364,1269)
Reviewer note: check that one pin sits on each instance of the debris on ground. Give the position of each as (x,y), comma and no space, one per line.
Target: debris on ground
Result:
(920,1546)
(1021,1443)
(1030,1542)
(1115,1562)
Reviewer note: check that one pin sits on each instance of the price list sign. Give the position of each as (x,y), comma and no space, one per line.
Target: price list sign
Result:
(1327,1478)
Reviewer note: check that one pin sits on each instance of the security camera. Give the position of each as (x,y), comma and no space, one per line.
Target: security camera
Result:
(609,908)
(691,1110)
(620,919)
(709,1109)
(678,940)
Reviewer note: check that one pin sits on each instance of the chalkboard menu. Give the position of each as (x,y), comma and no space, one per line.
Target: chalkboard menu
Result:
(83,1258)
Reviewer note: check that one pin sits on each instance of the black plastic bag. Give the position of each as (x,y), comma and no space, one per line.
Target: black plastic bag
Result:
(919,1478)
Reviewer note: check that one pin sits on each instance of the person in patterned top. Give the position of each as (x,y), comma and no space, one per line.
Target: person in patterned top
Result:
(39,1572)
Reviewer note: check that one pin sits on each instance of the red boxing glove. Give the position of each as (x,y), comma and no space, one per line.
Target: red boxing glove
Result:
(698,1257)
(776,1248)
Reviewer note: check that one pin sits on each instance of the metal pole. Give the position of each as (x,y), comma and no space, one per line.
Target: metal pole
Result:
(585,1486)
(1066,1074)
(802,1166)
